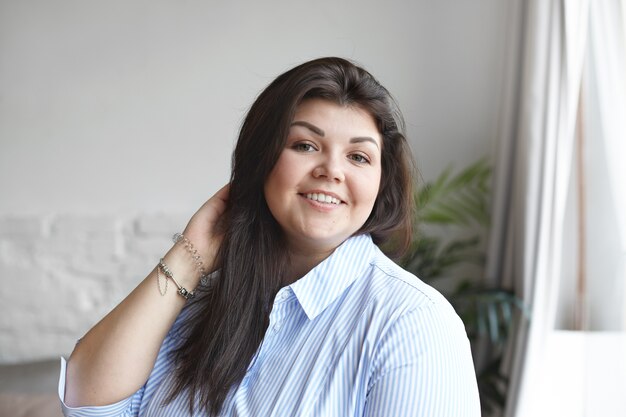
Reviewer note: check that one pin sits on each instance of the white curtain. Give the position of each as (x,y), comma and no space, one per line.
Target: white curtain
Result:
(547,43)
(607,37)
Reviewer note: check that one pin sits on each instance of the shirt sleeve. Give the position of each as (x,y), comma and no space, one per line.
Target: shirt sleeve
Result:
(423,368)
(123,408)
(136,404)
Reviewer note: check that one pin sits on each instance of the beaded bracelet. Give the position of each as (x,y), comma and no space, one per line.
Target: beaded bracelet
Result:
(186,294)
(194,253)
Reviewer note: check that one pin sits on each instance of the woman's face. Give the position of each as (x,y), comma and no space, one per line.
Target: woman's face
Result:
(325,182)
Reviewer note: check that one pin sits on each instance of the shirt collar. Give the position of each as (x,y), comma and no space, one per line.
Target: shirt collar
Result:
(328,280)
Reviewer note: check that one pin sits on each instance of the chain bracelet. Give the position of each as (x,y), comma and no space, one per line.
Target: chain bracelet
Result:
(184,292)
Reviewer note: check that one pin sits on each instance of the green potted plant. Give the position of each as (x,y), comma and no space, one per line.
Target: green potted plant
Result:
(457,205)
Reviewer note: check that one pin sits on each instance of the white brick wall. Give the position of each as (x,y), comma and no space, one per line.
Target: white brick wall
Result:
(60,274)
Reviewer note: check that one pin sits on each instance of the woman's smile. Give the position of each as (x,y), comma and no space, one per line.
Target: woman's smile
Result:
(322,197)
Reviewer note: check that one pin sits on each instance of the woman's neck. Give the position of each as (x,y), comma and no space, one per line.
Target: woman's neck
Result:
(301,261)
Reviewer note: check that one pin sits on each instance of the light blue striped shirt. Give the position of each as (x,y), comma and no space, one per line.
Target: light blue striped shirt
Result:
(356,336)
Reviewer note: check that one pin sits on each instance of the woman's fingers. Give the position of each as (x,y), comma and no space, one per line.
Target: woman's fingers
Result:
(203,229)
(218,203)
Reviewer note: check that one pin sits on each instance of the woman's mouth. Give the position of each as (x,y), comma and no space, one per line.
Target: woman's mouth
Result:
(322,198)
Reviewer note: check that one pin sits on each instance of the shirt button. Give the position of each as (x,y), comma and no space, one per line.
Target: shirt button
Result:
(276,327)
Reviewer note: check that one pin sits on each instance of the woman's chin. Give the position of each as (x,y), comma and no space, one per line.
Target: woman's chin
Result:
(319,241)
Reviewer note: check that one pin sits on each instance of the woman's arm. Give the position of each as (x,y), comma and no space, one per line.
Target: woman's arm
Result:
(114,359)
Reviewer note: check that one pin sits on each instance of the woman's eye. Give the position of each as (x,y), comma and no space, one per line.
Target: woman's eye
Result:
(356,157)
(303,147)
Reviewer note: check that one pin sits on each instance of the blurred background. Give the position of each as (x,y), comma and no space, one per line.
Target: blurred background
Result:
(118,118)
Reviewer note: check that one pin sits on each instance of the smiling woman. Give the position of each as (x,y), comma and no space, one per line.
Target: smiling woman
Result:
(326,180)
(282,302)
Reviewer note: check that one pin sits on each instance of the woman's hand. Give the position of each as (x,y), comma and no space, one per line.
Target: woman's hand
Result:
(204,231)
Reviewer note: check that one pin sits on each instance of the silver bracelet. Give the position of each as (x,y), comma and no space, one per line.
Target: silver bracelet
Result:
(186,294)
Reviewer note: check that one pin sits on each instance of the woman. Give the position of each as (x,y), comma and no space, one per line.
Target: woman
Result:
(303,315)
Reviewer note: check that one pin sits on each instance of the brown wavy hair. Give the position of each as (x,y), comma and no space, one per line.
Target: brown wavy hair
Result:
(230,319)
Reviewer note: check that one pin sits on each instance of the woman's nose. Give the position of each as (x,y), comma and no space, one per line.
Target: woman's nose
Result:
(329,169)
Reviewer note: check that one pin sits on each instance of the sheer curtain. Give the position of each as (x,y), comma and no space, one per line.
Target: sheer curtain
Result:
(557,372)
(547,43)
(607,70)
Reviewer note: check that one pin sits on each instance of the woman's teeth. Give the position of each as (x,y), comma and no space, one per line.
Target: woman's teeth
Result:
(322,198)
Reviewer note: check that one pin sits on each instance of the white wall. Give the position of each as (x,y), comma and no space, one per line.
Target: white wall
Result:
(117,120)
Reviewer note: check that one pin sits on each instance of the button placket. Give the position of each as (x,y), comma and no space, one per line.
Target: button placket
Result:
(277,316)
(276,319)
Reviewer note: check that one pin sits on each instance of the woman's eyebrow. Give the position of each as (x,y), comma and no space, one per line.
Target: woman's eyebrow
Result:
(309,126)
(364,139)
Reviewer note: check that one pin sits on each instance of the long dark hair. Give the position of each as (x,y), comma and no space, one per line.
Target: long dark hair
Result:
(230,319)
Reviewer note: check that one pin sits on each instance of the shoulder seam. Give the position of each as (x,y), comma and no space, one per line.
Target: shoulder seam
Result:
(395,277)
